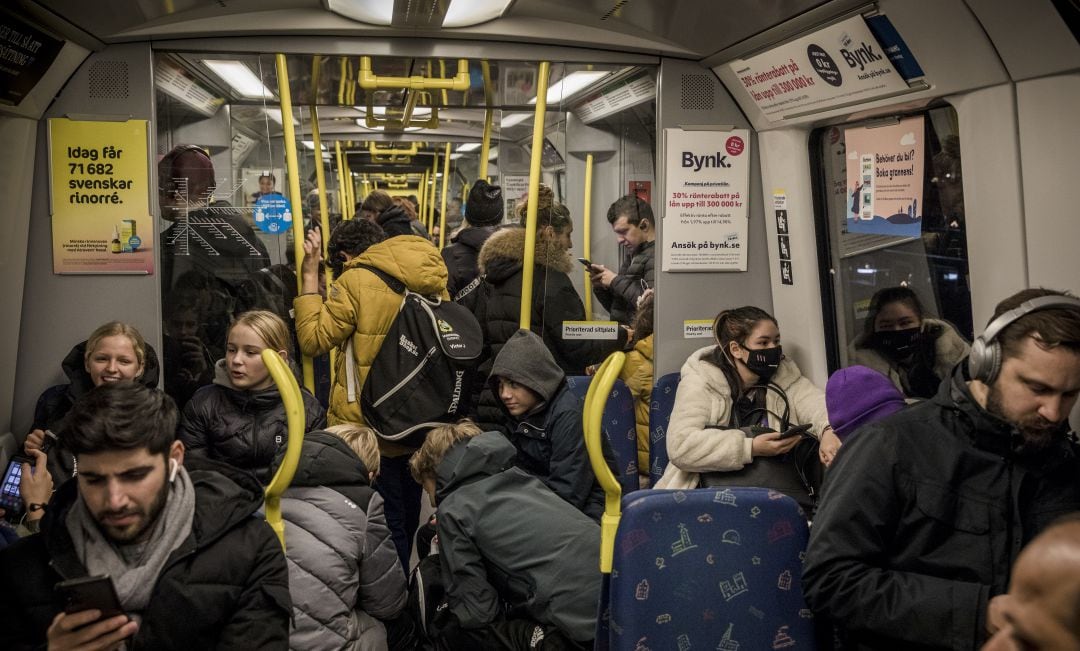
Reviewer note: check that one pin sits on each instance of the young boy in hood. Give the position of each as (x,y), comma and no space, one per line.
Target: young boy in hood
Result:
(544,421)
(520,564)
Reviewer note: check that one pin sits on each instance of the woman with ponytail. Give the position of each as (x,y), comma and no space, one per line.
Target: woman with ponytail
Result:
(735,403)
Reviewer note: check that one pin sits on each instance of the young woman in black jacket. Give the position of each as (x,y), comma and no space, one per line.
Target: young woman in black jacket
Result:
(240,418)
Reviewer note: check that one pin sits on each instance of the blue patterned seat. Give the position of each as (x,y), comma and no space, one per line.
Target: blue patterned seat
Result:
(709,569)
(618,428)
(663,401)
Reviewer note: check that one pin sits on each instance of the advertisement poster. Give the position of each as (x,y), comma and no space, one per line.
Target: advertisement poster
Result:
(641,189)
(838,65)
(885,179)
(515,190)
(100,197)
(705,207)
(25,54)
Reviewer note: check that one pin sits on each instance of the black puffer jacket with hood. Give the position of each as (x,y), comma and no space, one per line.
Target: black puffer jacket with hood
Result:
(395,221)
(56,401)
(549,439)
(225,587)
(461,257)
(242,428)
(503,537)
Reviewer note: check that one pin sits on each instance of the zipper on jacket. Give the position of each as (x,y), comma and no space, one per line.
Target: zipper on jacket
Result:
(408,378)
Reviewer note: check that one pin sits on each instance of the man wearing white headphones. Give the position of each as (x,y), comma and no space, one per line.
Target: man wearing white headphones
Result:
(185,564)
(923,514)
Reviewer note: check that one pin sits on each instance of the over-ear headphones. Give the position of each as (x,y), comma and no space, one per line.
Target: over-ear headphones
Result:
(174,466)
(984,361)
(166,184)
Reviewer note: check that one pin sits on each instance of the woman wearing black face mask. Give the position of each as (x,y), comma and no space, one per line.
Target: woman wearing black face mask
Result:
(916,353)
(733,403)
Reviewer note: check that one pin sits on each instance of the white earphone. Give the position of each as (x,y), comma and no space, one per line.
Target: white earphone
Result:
(173,468)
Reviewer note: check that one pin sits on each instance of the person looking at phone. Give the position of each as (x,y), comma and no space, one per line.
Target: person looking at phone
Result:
(192,564)
(632,222)
(27,503)
(735,402)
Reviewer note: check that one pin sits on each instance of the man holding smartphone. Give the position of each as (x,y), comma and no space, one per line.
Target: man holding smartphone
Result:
(632,222)
(189,565)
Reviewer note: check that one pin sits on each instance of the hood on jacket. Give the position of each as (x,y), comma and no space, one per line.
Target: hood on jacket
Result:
(409,258)
(326,460)
(504,253)
(74,366)
(474,458)
(474,237)
(526,360)
(395,221)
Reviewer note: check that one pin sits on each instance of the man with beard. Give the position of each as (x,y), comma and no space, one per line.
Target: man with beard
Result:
(923,513)
(192,565)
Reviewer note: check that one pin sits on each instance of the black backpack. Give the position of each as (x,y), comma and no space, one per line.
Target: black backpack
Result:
(422,375)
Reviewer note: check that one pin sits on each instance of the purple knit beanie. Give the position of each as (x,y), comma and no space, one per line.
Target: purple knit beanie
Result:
(857,395)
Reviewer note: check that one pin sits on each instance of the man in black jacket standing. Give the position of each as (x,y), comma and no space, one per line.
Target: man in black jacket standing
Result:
(923,513)
(483,214)
(632,221)
(192,565)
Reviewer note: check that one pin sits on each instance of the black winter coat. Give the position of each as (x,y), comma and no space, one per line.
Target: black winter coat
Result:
(56,401)
(225,587)
(460,257)
(922,516)
(620,299)
(242,428)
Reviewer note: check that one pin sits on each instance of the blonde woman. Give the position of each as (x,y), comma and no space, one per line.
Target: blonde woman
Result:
(240,418)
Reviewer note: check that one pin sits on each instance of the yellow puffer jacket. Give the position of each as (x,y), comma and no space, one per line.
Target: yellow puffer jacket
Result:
(637,372)
(360,306)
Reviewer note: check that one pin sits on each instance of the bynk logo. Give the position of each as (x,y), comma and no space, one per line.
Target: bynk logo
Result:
(708,160)
(860,56)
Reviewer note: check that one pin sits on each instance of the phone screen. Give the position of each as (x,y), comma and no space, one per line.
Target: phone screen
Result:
(10,498)
(87,593)
(588,265)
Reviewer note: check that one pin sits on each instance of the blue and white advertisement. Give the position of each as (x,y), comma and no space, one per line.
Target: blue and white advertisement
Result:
(835,66)
(706,190)
(885,178)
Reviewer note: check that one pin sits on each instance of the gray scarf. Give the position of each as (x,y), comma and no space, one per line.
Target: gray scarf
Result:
(134,568)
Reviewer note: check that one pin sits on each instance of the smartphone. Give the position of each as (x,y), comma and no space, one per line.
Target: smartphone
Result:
(90,592)
(588,265)
(798,430)
(10,497)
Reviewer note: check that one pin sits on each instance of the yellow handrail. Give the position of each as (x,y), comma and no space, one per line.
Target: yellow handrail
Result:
(292,169)
(294,417)
(593,414)
(342,197)
(586,227)
(445,186)
(489,114)
(320,180)
(430,219)
(534,195)
(412,150)
(370,81)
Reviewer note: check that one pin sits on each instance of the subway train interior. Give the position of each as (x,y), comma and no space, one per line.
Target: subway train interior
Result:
(798,156)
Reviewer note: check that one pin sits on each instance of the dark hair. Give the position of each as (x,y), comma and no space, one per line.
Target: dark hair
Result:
(548,212)
(352,236)
(633,208)
(268,176)
(643,319)
(734,325)
(1052,327)
(888,296)
(377,201)
(120,416)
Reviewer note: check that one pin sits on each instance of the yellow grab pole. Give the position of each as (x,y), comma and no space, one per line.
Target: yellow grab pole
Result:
(442,75)
(350,187)
(587,234)
(320,180)
(341,180)
(534,194)
(422,199)
(445,186)
(592,418)
(370,81)
(489,115)
(434,188)
(293,171)
(294,417)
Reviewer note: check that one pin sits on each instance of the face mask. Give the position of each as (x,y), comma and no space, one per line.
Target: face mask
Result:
(763,362)
(898,343)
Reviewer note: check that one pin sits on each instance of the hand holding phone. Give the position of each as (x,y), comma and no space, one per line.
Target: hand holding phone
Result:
(798,430)
(90,593)
(587,263)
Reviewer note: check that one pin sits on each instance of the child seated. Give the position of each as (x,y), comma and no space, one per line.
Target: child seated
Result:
(347,585)
(544,420)
(521,565)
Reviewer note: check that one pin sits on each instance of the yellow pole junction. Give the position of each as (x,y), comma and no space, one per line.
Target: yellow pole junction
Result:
(592,417)
(445,187)
(294,417)
(489,115)
(587,234)
(371,81)
(534,194)
(293,172)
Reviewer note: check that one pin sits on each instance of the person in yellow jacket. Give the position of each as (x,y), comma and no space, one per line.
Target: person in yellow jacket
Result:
(637,373)
(354,318)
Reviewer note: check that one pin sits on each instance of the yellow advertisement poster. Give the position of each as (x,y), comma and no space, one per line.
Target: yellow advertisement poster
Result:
(100,197)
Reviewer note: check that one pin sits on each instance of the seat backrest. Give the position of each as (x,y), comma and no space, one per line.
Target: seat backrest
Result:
(663,401)
(618,427)
(710,569)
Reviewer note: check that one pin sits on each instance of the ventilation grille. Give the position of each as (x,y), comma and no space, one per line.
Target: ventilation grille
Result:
(108,80)
(615,9)
(698,93)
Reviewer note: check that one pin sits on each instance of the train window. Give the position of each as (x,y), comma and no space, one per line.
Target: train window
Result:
(890,214)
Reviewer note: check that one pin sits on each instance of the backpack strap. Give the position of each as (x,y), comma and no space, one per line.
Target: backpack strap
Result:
(393,283)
